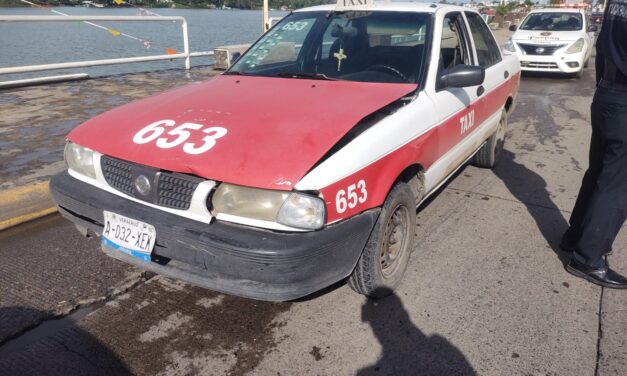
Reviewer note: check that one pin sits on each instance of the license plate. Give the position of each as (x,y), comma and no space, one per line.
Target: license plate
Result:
(133,237)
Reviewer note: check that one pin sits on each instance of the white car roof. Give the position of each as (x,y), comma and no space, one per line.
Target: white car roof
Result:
(398,7)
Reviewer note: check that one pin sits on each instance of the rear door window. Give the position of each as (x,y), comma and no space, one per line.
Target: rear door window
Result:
(488,52)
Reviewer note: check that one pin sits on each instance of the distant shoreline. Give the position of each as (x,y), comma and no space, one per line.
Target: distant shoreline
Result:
(105,4)
(145,7)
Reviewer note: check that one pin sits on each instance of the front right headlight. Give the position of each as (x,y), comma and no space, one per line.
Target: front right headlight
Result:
(79,159)
(294,209)
(509,46)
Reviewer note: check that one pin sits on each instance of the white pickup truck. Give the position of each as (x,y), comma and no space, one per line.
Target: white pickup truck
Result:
(303,164)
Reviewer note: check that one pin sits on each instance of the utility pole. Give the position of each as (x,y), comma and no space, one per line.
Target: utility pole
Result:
(266,19)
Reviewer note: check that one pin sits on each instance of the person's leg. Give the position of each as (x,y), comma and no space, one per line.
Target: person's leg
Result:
(607,208)
(595,163)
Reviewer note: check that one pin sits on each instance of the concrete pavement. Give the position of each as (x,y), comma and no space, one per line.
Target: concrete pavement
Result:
(485,292)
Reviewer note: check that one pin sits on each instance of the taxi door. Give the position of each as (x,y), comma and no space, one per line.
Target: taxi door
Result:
(494,91)
(454,106)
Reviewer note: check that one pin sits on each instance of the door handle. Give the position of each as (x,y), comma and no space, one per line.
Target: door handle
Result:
(506,74)
(480,90)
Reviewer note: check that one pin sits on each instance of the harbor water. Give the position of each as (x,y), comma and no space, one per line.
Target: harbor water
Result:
(29,43)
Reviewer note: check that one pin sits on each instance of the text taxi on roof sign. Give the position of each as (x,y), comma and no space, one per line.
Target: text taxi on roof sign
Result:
(303,164)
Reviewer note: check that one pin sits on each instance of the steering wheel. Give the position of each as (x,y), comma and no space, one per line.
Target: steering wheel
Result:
(389,69)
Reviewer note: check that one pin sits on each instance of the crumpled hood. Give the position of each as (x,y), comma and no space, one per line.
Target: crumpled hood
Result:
(276,128)
(551,37)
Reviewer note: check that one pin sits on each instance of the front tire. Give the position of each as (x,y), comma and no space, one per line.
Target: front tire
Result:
(384,260)
(490,153)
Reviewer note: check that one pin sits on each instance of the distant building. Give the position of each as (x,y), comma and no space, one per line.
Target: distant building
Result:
(89,4)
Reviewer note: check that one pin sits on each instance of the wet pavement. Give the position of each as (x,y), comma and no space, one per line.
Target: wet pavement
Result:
(485,291)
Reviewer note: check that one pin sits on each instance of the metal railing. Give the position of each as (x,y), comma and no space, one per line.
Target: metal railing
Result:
(77,64)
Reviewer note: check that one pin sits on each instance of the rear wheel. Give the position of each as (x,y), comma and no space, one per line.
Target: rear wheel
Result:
(490,153)
(386,255)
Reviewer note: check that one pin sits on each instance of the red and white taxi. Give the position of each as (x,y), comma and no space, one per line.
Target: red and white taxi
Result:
(303,164)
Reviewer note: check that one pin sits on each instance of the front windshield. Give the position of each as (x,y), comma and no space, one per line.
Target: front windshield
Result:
(553,21)
(364,46)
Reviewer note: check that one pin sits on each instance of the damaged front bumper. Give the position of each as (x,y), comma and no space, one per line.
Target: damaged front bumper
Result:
(225,257)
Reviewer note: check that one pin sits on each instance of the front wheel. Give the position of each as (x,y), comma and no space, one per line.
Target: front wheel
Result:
(579,73)
(490,153)
(386,255)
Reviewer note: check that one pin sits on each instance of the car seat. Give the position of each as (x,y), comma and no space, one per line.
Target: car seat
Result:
(353,40)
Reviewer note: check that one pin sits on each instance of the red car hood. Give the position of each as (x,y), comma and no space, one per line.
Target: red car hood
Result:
(277,128)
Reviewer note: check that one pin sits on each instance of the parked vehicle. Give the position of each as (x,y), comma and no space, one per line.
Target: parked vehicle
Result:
(596,18)
(553,40)
(303,164)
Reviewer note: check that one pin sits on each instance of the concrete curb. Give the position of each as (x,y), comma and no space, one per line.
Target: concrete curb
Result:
(25,203)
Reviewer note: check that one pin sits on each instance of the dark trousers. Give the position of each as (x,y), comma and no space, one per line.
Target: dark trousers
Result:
(601,207)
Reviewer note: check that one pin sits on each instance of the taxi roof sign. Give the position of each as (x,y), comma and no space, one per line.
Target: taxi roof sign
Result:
(343,5)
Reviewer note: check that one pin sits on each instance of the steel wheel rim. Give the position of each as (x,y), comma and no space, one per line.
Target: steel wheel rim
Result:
(394,241)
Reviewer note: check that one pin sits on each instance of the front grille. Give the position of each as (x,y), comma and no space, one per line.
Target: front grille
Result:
(539,49)
(118,174)
(175,192)
(170,189)
(534,64)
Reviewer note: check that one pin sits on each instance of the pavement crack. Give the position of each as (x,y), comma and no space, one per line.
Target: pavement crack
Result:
(94,303)
(536,93)
(122,289)
(509,200)
(66,348)
(599,333)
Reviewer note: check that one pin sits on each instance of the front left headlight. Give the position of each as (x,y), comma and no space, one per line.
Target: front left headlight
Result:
(292,209)
(509,46)
(576,47)
(80,159)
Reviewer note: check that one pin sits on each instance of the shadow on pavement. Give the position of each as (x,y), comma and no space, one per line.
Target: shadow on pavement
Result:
(56,347)
(406,349)
(531,190)
(548,75)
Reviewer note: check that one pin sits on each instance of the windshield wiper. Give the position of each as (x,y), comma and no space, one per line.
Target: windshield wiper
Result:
(313,76)
(237,73)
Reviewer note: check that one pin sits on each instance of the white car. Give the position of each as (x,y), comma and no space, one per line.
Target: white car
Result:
(553,40)
(303,164)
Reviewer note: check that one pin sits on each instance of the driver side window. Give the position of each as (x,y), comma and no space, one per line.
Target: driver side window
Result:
(281,45)
(453,46)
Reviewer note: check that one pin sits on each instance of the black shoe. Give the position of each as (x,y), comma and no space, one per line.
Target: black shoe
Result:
(602,276)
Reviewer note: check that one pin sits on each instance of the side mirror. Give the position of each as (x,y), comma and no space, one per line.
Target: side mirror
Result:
(513,28)
(593,28)
(462,76)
